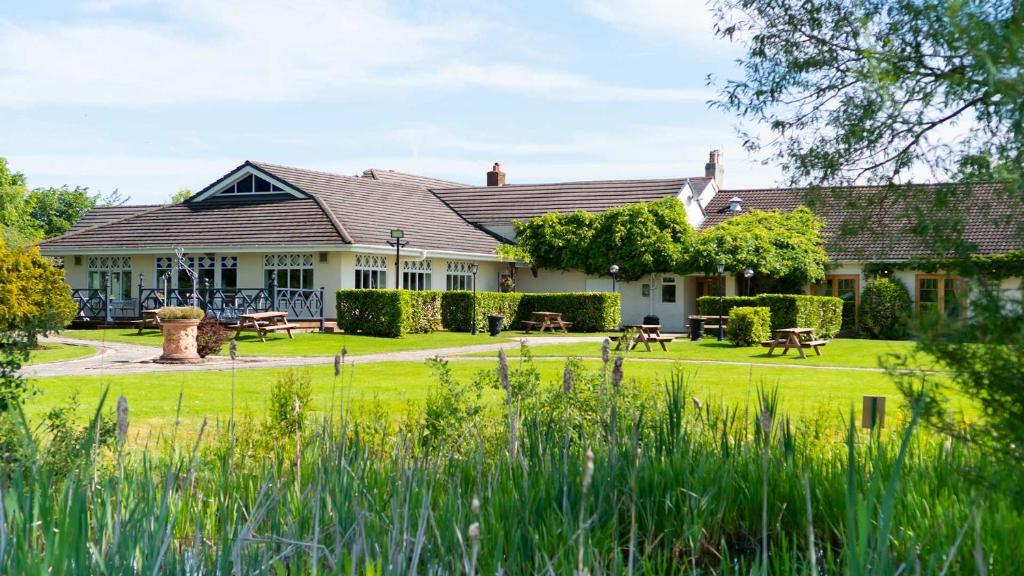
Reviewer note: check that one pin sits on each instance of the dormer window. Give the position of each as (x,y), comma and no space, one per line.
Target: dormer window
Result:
(252,184)
(735,204)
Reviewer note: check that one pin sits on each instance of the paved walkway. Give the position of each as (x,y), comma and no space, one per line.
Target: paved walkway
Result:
(120,358)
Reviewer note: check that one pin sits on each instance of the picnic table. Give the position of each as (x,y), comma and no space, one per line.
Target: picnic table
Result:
(798,338)
(636,334)
(545,321)
(263,323)
(150,318)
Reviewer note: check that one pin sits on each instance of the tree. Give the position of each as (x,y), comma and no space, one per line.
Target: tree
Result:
(15,221)
(55,210)
(181,195)
(640,238)
(34,300)
(786,246)
(27,216)
(883,91)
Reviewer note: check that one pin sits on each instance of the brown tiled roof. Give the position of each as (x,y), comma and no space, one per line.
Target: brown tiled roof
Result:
(335,210)
(369,207)
(240,221)
(108,214)
(494,204)
(876,223)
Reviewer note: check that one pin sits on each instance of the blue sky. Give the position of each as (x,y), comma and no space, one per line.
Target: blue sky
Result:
(151,96)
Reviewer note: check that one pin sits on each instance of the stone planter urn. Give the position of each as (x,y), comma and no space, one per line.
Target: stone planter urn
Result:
(180,340)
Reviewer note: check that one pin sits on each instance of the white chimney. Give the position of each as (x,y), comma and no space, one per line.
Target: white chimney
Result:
(713,169)
(735,204)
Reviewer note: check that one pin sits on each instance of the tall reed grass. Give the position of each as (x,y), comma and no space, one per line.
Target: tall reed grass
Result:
(667,484)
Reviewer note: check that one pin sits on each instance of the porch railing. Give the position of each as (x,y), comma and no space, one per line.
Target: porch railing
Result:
(225,304)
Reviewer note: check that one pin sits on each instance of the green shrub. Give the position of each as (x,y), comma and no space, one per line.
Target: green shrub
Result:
(290,399)
(709,305)
(390,313)
(211,336)
(749,325)
(588,311)
(884,309)
(424,312)
(180,313)
(457,309)
(822,313)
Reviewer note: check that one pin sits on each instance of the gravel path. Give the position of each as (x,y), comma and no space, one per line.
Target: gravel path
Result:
(120,358)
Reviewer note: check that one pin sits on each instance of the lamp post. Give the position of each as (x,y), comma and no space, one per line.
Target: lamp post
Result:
(614,271)
(396,240)
(748,274)
(473,269)
(721,301)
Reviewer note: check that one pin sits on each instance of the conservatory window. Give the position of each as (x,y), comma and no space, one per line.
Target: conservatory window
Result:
(292,271)
(459,276)
(416,274)
(371,271)
(118,269)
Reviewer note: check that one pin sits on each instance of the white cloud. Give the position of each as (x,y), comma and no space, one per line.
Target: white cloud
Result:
(266,51)
(689,21)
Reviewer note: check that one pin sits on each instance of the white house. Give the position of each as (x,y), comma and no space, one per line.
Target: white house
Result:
(264,227)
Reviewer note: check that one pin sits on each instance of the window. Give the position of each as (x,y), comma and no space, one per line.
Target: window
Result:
(164,267)
(668,289)
(416,274)
(118,269)
(229,272)
(846,287)
(460,276)
(371,271)
(252,184)
(941,294)
(289,271)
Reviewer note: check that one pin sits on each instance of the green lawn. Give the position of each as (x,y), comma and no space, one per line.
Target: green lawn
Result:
(311,343)
(53,352)
(839,352)
(153,397)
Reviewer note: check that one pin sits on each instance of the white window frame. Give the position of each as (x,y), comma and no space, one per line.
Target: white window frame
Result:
(371,272)
(118,269)
(459,275)
(416,274)
(296,265)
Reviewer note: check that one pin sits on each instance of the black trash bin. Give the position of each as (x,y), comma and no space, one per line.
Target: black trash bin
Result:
(494,324)
(696,328)
(652,320)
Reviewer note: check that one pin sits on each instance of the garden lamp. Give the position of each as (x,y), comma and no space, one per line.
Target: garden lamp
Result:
(396,240)
(614,271)
(721,301)
(748,274)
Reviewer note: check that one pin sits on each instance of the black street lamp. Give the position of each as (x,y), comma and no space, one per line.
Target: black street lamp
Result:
(614,271)
(748,274)
(721,301)
(396,240)
(473,269)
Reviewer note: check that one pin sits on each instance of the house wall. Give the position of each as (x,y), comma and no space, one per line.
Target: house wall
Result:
(635,305)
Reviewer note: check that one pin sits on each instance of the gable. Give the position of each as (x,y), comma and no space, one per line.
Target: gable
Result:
(246,180)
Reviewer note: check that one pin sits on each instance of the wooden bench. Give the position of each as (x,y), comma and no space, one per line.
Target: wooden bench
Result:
(529,324)
(263,323)
(814,344)
(661,340)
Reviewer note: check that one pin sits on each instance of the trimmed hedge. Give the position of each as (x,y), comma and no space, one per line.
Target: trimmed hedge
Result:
(391,313)
(588,311)
(749,325)
(457,309)
(822,313)
(885,309)
(708,305)
(394,313)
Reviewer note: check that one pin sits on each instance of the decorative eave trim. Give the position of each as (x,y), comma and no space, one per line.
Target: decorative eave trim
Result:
(243,170)
(276,248)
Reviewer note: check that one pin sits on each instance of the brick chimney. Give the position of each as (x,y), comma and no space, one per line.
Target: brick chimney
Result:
(496,177)
(714,169)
